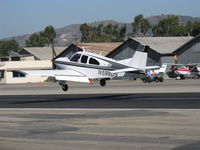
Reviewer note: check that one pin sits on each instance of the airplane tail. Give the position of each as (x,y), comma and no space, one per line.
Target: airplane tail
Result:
(139,60)
(163,68)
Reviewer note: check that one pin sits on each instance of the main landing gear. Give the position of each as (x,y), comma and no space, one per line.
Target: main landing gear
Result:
(102,82)
(63,85)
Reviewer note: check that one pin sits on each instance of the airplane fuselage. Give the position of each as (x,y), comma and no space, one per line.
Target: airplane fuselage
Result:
(94,67)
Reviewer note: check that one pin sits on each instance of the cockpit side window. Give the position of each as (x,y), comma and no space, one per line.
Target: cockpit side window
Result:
(84,59)
(75,58)
(93,61)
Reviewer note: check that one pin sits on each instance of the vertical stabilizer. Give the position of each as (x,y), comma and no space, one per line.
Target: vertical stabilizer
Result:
(139,60)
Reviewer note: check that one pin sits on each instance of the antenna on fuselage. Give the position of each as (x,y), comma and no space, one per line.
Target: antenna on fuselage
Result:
(83,48)
(100,53)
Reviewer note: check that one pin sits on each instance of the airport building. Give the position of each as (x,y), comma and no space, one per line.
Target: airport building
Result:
(26,59)
(189,52)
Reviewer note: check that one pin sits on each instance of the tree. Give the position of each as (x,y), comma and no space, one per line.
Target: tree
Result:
(140,25)
(85,30)
(122,32)
(36,40)
(195,29)
(49,35)
(7,46)
(102,33)
(166,26)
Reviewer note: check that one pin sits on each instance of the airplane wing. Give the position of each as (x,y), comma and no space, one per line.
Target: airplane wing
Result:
(65,75)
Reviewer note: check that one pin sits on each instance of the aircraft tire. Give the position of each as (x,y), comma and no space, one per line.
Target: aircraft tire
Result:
(65,87)
(197,76)
(144,80)
(182,77)
(157,79)
(161,79)
(102,82)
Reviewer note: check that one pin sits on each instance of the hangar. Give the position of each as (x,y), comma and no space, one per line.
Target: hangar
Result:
(99,48)
(160,49)
(189,52)
(40,53)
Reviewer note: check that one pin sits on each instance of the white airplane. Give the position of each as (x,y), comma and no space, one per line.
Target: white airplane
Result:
(85,66)
(161,70)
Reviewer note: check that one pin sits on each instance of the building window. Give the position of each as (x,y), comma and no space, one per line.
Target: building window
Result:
(15,58)
(84,59)
(93,61)
(18,74)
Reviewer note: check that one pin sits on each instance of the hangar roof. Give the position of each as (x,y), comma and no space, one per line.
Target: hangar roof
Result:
(42,53)
(163,45)
(103,48)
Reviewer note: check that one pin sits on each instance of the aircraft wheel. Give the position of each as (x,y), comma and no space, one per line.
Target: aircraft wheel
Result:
(197,76)
(65,87)
(148,80)
(102,82)
(144,80)
(182,77)
(161,79)
(157,79)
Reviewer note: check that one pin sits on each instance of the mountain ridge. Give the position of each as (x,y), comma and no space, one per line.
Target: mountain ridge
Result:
(71,33)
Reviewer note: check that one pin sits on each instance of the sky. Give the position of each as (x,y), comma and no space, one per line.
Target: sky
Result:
(18,17)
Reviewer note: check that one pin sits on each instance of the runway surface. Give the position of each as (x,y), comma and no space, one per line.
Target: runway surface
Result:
(99,129)
(132,115)
(114,100)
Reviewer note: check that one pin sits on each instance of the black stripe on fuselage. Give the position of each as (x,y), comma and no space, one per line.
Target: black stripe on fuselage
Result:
(84,65)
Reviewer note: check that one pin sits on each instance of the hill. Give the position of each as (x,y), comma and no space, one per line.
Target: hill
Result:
(71,33)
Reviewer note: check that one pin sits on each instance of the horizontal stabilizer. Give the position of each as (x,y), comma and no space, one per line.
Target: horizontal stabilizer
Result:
(124,70)
(152,67)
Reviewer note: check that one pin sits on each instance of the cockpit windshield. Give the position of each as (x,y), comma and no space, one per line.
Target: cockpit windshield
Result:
(75,58)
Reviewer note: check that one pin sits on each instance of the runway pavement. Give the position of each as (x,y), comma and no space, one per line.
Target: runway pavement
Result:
(114,100)
(116,94)
(83,129)
(124,86)
(130,115)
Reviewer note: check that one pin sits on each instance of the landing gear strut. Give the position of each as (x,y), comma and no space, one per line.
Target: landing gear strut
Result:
(102,82)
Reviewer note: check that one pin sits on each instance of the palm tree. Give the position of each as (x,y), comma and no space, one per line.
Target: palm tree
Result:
(50,34)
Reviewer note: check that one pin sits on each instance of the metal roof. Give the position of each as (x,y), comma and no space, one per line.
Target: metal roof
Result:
(43,53)
(163,45)
(99,48)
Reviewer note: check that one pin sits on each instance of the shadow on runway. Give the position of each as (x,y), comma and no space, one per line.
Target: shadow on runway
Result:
(116,100)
